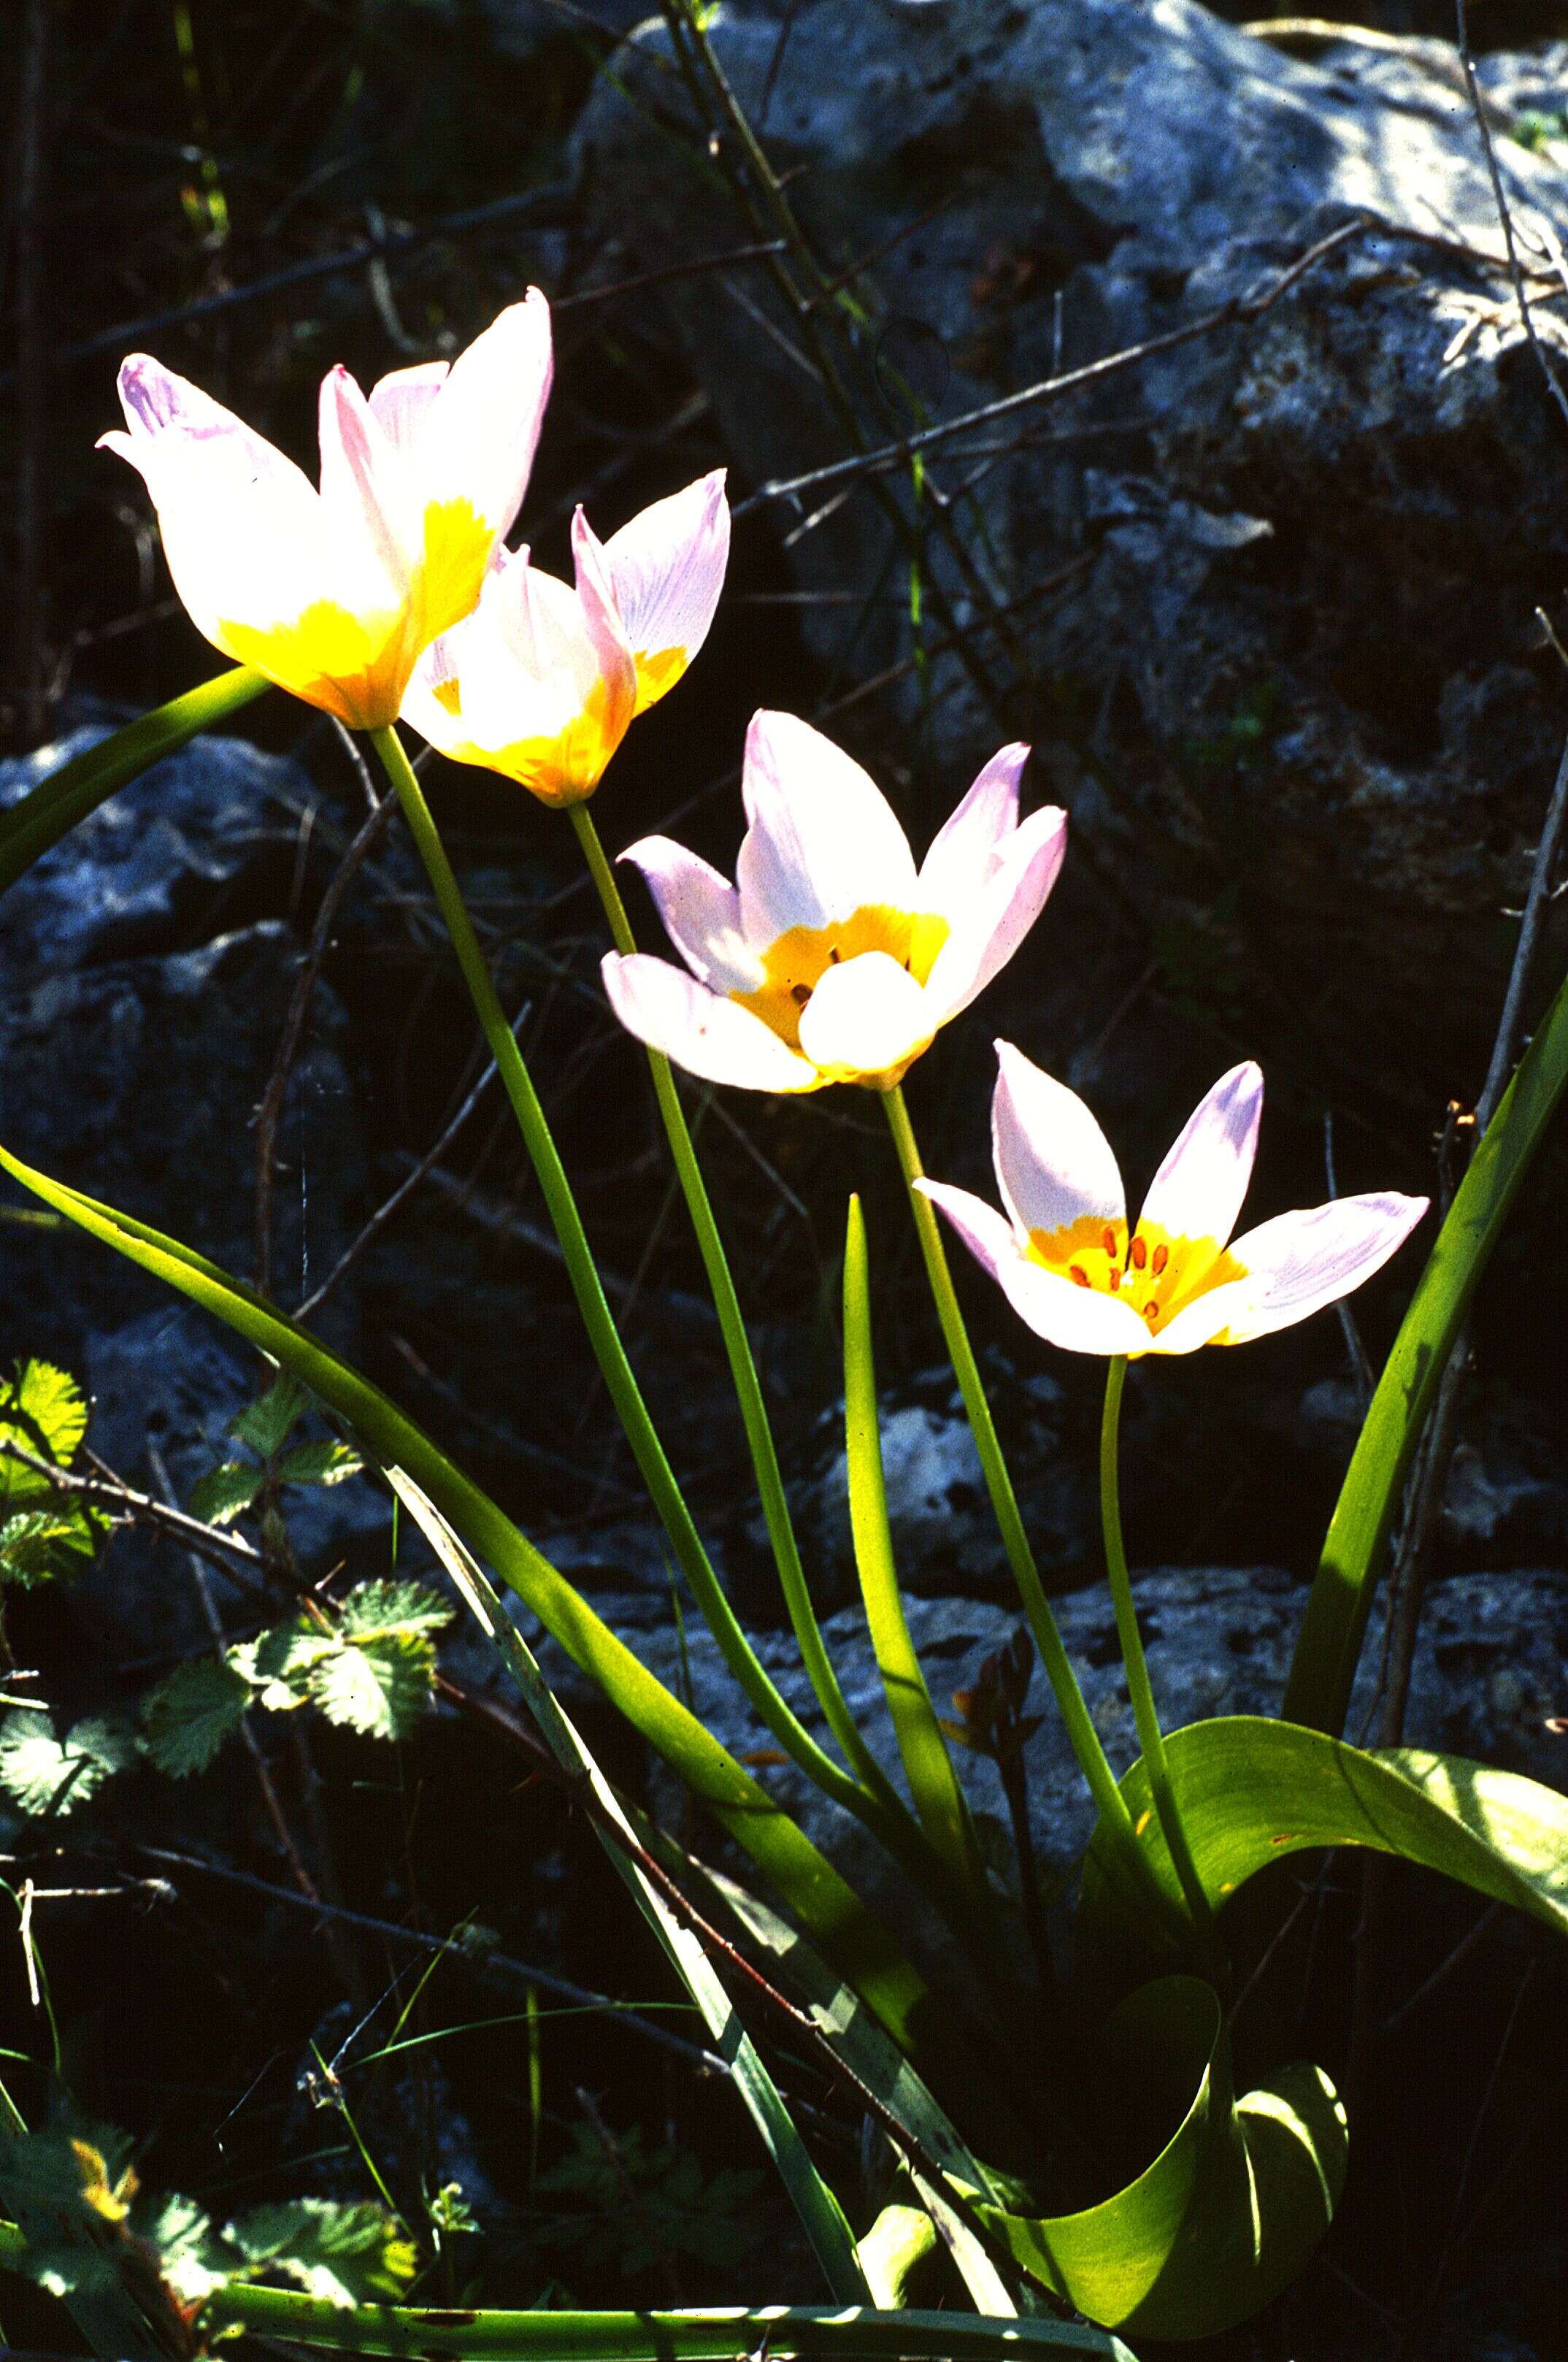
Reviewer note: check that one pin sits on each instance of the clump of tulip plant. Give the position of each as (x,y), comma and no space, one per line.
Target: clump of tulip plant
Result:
(389,593)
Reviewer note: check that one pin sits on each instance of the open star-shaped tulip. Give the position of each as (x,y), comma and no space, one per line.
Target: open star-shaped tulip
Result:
(332,594)
(832,959)
(542,681)
(1068,1264)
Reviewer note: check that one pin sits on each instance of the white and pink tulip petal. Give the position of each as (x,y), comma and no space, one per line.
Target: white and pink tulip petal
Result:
(1203,1321)
(1078,1320)
(1301,1262)
(1198,1189)
(866,1020)
(476,444)
(822,841)
(667,569)
(401,401)
(701,911)
(989,929)
(1054,1165)
(710,1036)
(963,854)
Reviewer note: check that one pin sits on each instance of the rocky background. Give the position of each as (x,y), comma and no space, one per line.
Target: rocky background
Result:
(1275,602)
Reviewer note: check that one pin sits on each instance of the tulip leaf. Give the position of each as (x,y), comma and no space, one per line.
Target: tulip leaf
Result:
(1323,1672)
(939,1799)
(1234,2201)
(864,1948)
(54,807)
(1251,1790)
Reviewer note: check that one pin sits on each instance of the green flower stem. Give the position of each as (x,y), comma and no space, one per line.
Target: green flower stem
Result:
(611,1355)
(742,1369)
(1116,1825)
(1150,1737)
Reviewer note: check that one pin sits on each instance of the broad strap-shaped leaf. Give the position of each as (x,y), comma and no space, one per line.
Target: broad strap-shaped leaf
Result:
(821,2217)
(79,787)
(863,1948)
(716,2334)
(939,1799)
(1323,1672)
(1251,1788)
(1232,2203)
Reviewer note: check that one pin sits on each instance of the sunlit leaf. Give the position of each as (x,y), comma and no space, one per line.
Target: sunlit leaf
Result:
(341,2255)
(326,1463)
(42,1772)
(380,1685)
(224,1493)
(264,1423)
(394,1606)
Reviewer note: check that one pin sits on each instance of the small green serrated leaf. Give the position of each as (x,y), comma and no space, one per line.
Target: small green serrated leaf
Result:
(49,1401)
(224,1492)
(380,1685)
(278,1664)
(36,1544)
(264,1423)
(41,1773)
(394,1606)
(326,1463)
(343,2254)
(187,1717)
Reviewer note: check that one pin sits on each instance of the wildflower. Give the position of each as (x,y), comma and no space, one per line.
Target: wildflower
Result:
(831,959)
(1068,1264)
(332,594)
(542,681)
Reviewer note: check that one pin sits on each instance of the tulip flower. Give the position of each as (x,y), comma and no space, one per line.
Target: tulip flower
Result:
(1068,1264)
(332,594)
(832,959)
(542,681)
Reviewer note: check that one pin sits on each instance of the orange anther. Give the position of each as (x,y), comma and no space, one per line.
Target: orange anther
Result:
(1151,1313)
(1076,1271)
(1108,1239)
(1115,1280)
(1140,1253)
(1161,1257)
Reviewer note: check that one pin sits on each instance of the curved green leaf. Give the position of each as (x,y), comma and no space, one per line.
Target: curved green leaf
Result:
(939,1799)
(864,1950)
(716,2334)
(79,787)
(1232,2205)
(1323,1672)
(1251,1790)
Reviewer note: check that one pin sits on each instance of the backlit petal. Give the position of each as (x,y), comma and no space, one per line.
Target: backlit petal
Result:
(822,841)
(866,1020)
(1080,1319)
(709,1036)
(1054,1165)
(1197,1191)
(401,402)
(666,567)
(1301,1262)
(476,441)
(965,849)
(602,623)
(371,515)
(700,912)
(988,928)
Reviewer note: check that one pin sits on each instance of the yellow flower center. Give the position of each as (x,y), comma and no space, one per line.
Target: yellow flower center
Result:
(1154,1271)
(795,964)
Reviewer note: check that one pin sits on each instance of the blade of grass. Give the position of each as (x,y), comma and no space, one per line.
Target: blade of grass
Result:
(821,2216)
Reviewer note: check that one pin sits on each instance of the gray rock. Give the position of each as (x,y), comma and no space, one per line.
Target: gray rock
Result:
(1278,525)
(1488,1674)
(169,859)
(136,1081)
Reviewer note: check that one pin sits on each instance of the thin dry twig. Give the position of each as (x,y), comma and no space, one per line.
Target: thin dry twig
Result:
(1506,219)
